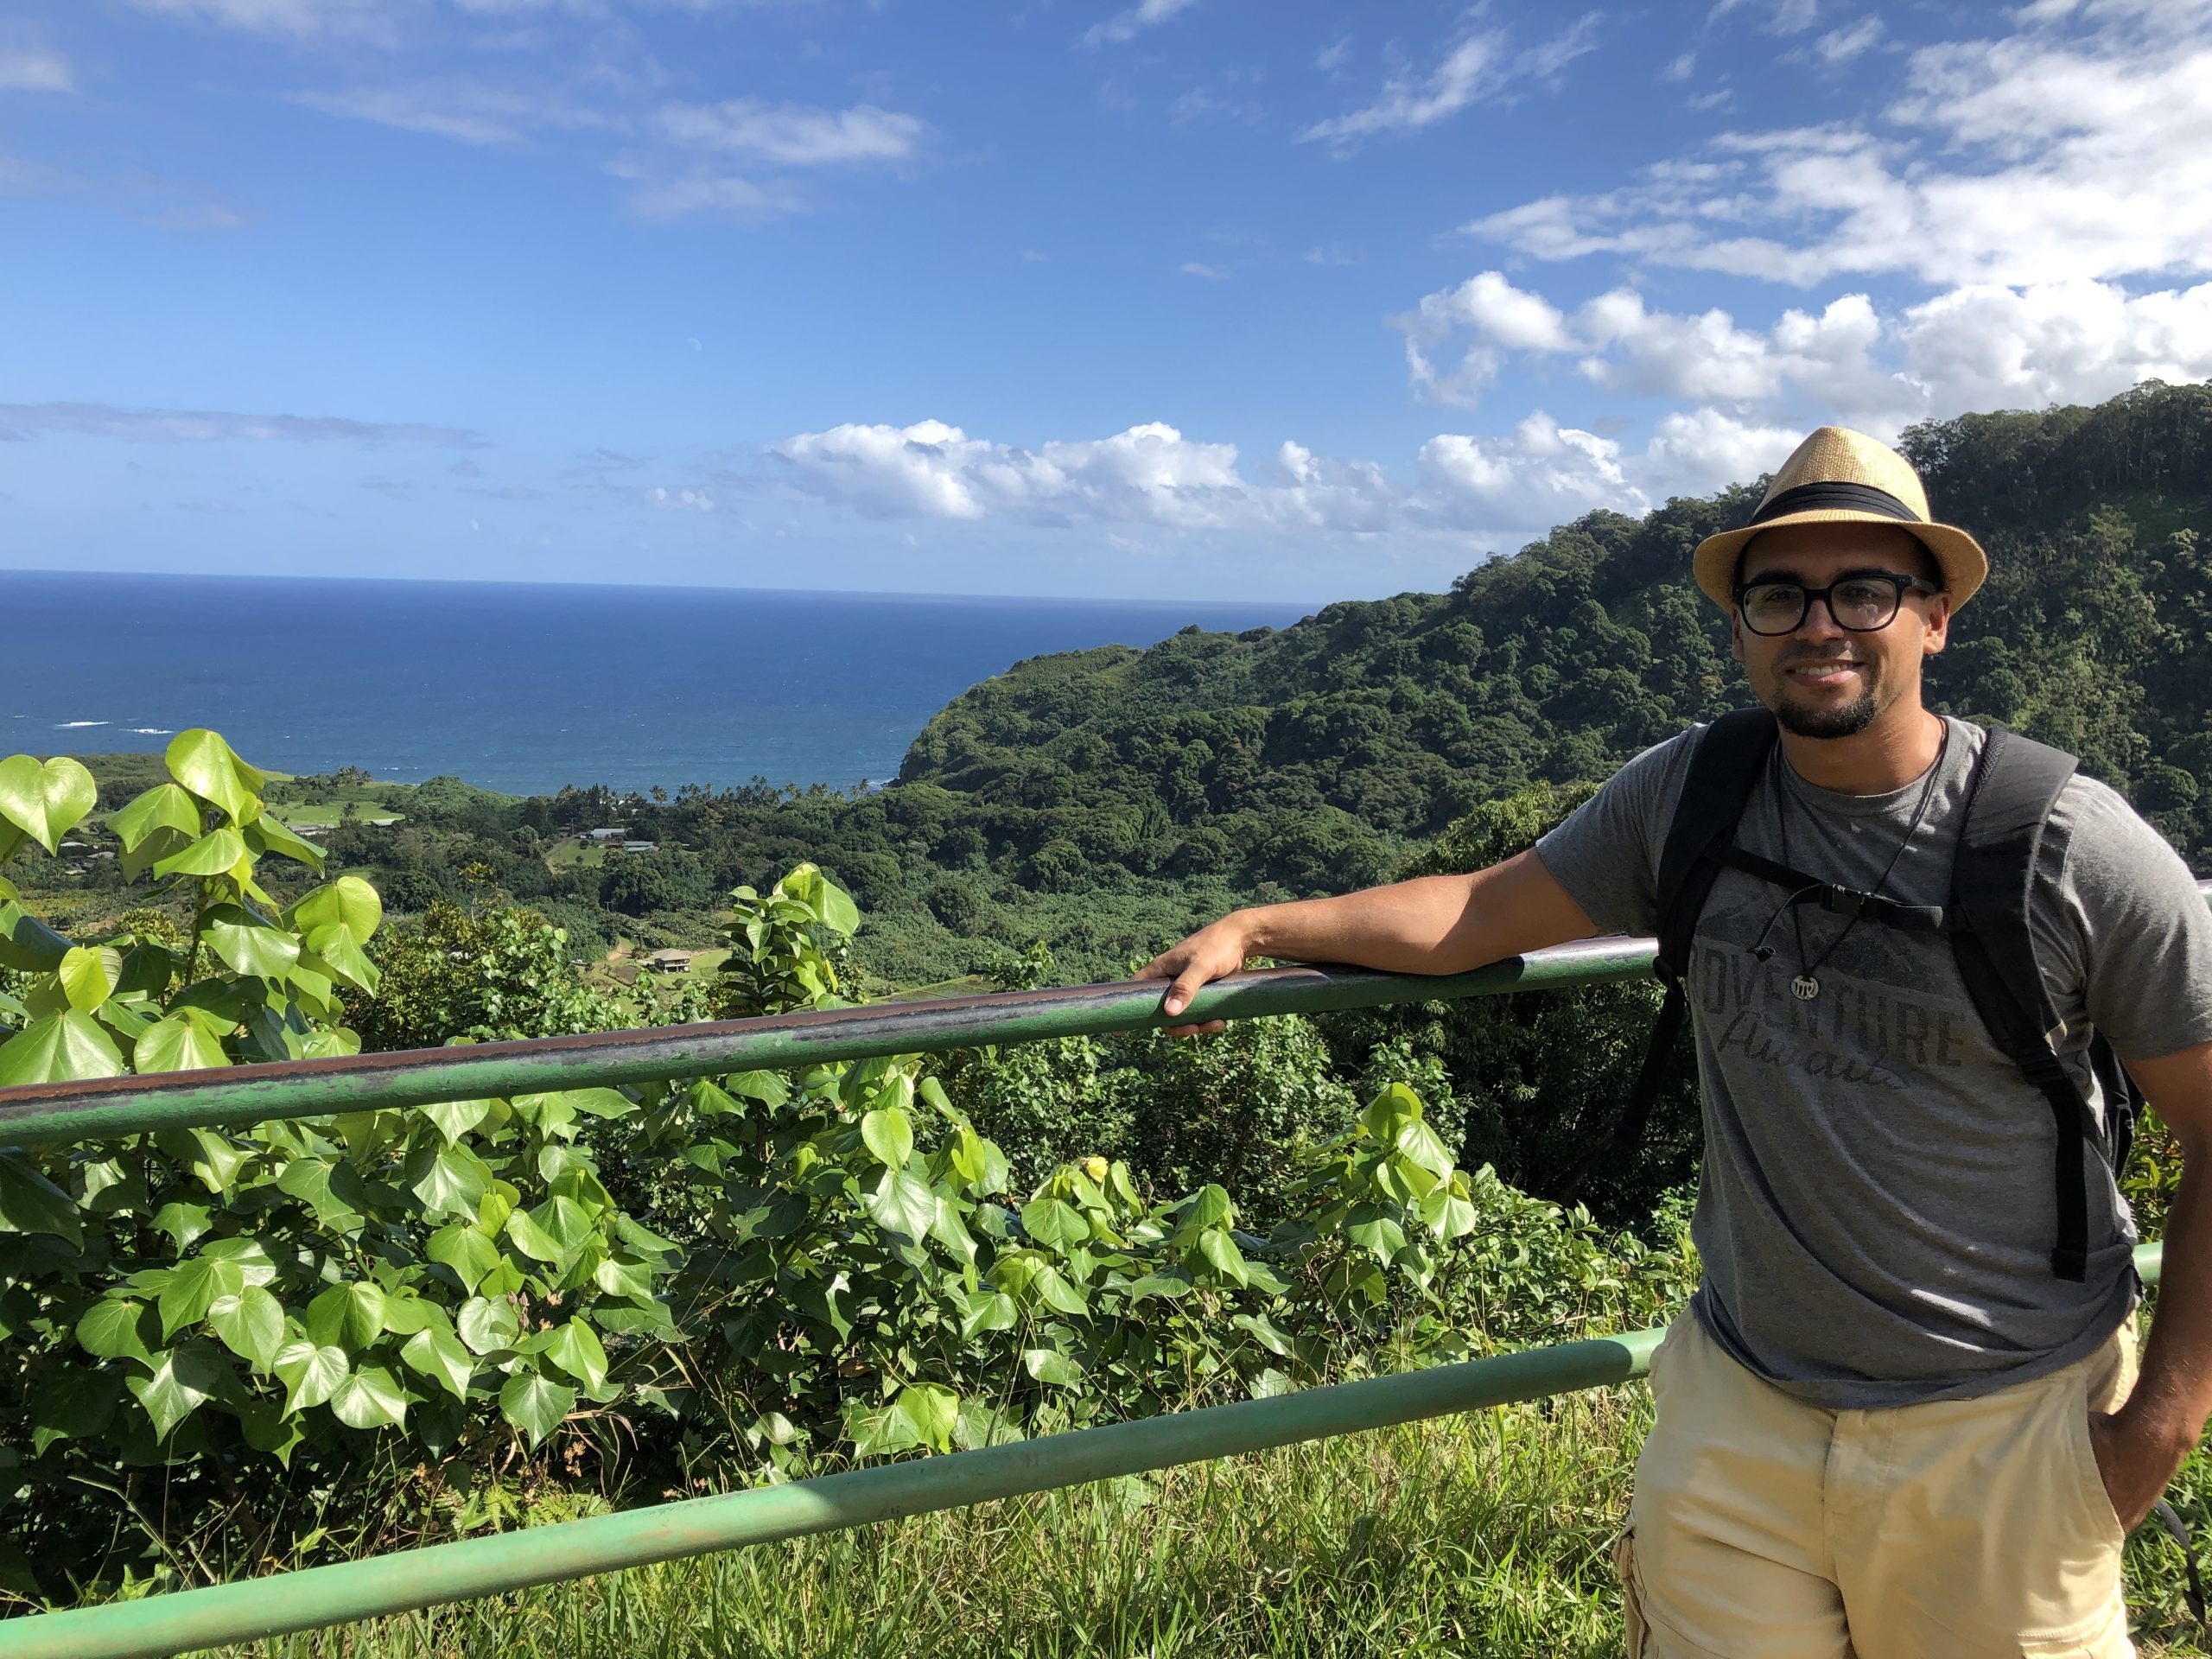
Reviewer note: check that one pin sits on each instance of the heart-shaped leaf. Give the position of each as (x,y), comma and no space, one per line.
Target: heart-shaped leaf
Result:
(45,802)
(119,1328)
(466,1251)
(176,1043)
(349,1314)
(535,1404)
(931,1412)
(348,902)
(184,1379)
(248,944)
(60,1048)
(89,973)
(438,1355)
(310,1374)
(371,1398)
(575,1347)
(204,764)
(901,1204)
(193,1285)
(251,1325)
(1050,1365)
(451,1182)
(887,1134)
(486,1326)
(165,806)
(1054,1224)
(216,853)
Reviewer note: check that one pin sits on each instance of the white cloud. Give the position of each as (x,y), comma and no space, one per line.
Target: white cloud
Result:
(303,19)
(1776,16)
(1500,488)
(1128,25)
(1148,473)
(1475,68)
(794,135)
(1985,346)
(1841,46)
(1547,58)
(1694,451)
(2049,156)
(1538,474)
(725,194)
(467,111)
(1470,70)
(1978,346)
(210,426)
(1209,273)
(679,500)
(1458,341)
(1681,68)
(29,64)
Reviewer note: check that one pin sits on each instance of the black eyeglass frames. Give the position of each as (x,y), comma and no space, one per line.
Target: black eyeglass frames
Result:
(1862,604)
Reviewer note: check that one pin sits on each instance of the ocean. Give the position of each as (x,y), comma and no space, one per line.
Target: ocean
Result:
(525,688)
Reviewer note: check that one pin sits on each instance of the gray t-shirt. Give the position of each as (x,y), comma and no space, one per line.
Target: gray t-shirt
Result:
(1876,1211)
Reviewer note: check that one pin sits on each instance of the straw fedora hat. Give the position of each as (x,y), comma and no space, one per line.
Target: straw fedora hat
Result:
(1841,477)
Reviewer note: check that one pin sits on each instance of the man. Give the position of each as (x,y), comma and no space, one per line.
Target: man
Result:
(1886,1428)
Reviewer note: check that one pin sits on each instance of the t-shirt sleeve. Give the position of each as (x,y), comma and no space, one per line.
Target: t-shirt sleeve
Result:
(1607,854)
(2145,930)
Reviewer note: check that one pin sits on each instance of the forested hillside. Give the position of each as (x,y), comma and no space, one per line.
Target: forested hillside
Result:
(1106,801)
(1288,752)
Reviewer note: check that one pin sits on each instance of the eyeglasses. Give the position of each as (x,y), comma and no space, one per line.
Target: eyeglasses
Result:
(1861,604)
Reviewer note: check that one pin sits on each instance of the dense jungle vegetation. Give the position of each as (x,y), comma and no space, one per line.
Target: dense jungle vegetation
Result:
(1106,800)
(239,1349)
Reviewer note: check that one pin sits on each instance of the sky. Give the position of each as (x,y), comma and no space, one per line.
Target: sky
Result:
(1220,299)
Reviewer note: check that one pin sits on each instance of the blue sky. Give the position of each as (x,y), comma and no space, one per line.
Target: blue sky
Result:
(1215,298)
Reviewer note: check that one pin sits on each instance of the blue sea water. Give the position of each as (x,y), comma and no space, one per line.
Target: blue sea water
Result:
(525,688)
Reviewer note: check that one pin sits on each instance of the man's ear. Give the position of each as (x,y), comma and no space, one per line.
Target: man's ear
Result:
(1935,632)
(1736,634)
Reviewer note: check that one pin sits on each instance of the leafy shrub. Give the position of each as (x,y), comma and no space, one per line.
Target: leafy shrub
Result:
(505,973)
(223,1328)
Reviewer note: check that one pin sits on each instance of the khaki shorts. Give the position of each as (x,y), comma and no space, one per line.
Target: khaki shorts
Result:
(1763,1528)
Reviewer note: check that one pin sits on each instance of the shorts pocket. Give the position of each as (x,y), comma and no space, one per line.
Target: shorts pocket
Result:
(2096,1502)
(1631,1594)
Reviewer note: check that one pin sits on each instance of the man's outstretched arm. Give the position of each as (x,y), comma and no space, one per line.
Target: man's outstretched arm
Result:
(1432,924)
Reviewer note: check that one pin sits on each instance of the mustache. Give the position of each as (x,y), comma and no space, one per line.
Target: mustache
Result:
(1820,659)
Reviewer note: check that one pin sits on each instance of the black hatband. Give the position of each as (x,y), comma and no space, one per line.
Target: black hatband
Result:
(1858,498)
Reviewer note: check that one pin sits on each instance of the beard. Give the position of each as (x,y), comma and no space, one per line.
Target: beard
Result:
(1848,721)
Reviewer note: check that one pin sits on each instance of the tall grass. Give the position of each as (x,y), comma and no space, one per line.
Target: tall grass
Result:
(1482,1534)
(1486,1534)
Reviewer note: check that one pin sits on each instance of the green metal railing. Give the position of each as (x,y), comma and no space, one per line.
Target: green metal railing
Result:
(408,1579)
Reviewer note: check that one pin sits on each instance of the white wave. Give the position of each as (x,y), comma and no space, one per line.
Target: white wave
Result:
(71,725)
(155,731)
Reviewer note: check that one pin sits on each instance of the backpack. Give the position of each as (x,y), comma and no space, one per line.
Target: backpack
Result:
(2009,796)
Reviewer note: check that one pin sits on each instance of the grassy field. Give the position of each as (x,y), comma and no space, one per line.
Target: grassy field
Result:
(367,808)
(1485,1535)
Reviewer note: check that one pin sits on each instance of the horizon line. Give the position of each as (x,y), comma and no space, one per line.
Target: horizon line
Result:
(1311,605)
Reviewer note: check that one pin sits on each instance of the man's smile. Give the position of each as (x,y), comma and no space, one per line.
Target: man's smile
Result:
(1828,671)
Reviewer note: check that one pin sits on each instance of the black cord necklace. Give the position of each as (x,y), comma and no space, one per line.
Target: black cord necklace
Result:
(1807,985)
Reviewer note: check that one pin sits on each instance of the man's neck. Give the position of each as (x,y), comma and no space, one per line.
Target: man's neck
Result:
(1900,746)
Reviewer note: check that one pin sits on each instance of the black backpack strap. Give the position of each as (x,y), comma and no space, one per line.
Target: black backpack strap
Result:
(1724,768)
(1847,902)
(2014,784)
